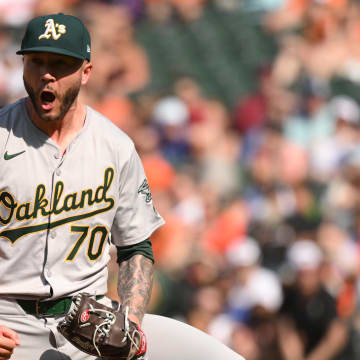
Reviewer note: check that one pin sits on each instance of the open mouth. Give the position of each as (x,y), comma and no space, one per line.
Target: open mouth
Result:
(47,99)
(47,96)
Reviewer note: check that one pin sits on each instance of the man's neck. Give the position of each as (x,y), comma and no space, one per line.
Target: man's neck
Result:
(62,131)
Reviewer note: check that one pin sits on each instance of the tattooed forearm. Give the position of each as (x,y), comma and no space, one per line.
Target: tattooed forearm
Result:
(134,285)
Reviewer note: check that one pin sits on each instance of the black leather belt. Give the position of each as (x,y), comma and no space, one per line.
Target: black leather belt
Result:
(48,308)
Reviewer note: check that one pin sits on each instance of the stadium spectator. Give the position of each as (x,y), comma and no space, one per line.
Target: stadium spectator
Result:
(309,325)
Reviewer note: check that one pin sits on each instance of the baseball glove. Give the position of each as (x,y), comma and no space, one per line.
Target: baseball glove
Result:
(100,331)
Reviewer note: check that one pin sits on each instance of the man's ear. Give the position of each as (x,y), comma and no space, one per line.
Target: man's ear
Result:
(86,71)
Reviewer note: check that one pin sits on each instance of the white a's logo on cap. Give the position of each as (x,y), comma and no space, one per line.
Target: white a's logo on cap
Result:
(53,30)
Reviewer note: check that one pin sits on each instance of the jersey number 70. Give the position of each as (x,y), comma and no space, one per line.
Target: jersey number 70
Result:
(93,252)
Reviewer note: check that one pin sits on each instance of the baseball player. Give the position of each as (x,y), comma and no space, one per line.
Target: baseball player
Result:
(71,183)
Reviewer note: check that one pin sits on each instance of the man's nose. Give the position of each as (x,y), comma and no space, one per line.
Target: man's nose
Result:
(47,74)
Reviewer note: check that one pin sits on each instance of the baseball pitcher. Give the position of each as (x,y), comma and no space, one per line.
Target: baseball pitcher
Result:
(72,184)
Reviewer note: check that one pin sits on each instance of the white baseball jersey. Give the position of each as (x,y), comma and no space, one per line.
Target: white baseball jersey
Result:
(58,213)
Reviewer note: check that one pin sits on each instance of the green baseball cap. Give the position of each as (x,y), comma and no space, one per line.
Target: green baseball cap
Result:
(58,34)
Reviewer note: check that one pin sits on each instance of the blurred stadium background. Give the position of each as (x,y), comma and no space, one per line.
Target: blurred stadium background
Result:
(246,115)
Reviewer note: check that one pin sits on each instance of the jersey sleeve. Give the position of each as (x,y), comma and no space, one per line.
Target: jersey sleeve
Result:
(136,218)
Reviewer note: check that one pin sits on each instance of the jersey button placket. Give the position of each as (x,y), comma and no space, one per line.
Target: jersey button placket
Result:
(47,268)
(57,156)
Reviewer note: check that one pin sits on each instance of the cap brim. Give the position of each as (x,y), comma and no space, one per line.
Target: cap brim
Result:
(52,50)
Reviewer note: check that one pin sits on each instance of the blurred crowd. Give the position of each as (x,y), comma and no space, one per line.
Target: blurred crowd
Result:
(261,198)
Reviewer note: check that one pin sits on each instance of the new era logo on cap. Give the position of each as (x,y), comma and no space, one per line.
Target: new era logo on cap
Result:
(59,34)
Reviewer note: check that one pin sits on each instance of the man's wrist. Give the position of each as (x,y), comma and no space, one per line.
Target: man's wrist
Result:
(134,319)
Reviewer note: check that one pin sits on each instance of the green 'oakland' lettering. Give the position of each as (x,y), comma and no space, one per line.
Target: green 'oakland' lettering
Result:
(60,204)
(40,203)
(9,204)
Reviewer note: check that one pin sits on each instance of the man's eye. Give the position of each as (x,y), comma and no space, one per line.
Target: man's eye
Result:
(60,63)
(36,61)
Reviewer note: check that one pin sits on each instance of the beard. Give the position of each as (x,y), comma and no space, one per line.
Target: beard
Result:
(65,100)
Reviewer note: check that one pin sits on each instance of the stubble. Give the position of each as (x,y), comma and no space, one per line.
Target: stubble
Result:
(66,100)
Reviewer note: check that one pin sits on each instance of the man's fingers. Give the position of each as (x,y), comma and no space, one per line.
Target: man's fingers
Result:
(10,334)
(6,347)
(9,339)
(6,344)
(5,354)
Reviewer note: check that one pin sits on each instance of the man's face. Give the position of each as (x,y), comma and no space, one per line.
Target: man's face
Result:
(53,83)
(309,280)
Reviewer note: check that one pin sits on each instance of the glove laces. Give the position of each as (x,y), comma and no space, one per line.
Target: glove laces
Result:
(131,336)
(103,329)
